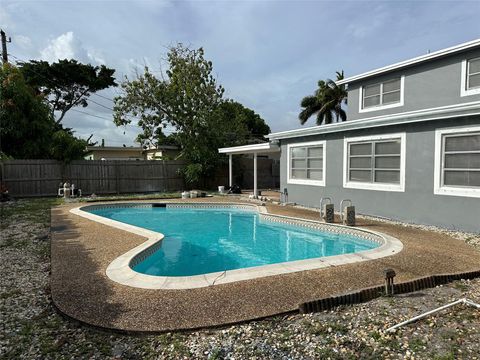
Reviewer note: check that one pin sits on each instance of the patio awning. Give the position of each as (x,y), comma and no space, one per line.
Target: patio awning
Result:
(255,149)
(262,148)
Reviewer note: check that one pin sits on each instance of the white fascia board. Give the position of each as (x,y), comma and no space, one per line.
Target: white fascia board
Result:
(250,149)
(113,148)
(416,60)
(443,112)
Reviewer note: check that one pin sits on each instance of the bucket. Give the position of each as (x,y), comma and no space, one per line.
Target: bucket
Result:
(185,195)
(221,189)
(193,194)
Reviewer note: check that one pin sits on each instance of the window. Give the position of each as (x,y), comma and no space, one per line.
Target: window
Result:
(382,95)
(470,77)
(457,162)
(306,163)
(375,162)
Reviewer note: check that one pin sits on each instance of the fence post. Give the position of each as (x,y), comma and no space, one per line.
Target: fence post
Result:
(117,188)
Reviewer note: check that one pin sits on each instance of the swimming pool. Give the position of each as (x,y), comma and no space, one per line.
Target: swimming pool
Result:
(206,240)
(195,245)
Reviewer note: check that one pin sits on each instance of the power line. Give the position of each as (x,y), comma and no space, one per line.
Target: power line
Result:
(88,99)
(91,100)
(104,97)
(104,118)
(93,115)
(104,106)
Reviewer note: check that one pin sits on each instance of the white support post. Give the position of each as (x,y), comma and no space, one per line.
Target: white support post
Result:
(230,171)
(255,191)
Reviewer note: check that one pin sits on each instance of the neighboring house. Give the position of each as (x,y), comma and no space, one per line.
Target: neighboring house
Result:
(114,153)
(410,149)
(163,152)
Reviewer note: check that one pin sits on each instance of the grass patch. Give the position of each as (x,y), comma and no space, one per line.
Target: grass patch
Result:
(320,329)
(32,210)
(417,344)
(328,353)
(461,286)
(8,294)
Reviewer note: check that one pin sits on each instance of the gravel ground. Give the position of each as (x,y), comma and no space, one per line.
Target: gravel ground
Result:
(30,328)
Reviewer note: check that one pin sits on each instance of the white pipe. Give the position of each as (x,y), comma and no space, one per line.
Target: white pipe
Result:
(230,171)
(418,317)
(470,302)
(255,191)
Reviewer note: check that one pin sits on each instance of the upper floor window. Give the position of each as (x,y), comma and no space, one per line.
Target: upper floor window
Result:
(457,162)
(375,162)
(382,95)
(470,77)
(306,163)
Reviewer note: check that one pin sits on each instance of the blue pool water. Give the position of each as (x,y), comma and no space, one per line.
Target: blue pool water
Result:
(200,241)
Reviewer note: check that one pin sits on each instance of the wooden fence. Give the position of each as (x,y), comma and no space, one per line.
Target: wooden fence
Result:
(42,177)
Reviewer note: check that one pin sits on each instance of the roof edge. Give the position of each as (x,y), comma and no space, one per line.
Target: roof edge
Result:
(246,149)
(412,61)
(393,119)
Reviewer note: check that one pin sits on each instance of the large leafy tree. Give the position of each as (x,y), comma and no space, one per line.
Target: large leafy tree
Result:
(66,83)
(189,101)
(25,120)
(326,102)
(27,128)
(246,126)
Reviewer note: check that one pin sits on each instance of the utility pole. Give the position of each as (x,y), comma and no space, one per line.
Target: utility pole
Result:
(5,60)
(4,46)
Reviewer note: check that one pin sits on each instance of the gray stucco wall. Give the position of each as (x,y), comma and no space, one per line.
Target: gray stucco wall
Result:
(432,84)
(418,204)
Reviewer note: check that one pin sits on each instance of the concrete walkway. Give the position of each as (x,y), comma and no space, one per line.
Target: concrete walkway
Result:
(82,250)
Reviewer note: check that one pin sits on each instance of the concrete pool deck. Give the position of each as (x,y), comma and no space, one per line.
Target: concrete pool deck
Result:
(83,249)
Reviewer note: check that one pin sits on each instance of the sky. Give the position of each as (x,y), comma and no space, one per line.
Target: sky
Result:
(267,54)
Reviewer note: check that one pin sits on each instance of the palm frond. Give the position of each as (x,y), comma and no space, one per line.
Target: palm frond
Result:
(327,117)
(342,114)
(305,114)
(308,101)
(326,102)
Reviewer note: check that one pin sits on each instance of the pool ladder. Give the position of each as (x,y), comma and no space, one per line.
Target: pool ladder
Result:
(327,210)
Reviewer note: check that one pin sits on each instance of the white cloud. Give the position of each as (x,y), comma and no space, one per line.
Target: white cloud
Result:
(67,46)
(378,18)
(63,47)
(22,41)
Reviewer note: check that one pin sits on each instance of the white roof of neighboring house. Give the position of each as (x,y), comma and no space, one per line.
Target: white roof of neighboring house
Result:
(131,148)
(113,148)
(416,60)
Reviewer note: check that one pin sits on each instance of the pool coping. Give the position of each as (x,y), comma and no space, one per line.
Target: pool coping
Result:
(120,271)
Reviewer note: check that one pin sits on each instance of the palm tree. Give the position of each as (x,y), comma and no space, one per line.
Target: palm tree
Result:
(326,102)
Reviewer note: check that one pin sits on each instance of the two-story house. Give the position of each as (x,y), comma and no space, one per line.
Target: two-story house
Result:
(410,149)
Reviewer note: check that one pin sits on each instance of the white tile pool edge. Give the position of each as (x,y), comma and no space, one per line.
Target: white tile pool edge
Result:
(119,270)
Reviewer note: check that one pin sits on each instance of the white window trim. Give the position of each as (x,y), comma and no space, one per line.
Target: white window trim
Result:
(463,90)
(382,107)
(307,181)
(375,186)
(438,188)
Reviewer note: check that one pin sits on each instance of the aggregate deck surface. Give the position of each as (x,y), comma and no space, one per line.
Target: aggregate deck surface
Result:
(82,250)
